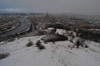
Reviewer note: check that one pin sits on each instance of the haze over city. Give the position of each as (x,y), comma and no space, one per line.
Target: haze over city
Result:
(49,32)
(51,6)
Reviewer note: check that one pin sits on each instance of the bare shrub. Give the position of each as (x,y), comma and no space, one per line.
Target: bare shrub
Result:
(78,43)
(4,55)
(39,45)
(81,43)
(86,46)
(30,43)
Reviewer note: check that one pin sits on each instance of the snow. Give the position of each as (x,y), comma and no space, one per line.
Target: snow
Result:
(58,54)
(61,32)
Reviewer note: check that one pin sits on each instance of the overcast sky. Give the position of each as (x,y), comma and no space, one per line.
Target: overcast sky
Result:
(52,6)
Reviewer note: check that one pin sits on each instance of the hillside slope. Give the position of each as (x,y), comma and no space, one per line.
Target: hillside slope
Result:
(58,54)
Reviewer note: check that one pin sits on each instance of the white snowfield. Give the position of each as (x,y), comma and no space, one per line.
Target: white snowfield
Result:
(58,54)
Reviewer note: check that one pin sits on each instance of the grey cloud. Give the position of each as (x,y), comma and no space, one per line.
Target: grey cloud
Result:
(55,6)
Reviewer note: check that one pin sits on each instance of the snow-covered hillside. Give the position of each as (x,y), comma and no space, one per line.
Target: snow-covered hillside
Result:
(58,54)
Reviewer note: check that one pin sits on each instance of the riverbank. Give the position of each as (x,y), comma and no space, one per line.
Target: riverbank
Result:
(23,28)
(13,27)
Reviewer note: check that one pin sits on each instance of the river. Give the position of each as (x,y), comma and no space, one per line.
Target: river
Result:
(23,26)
